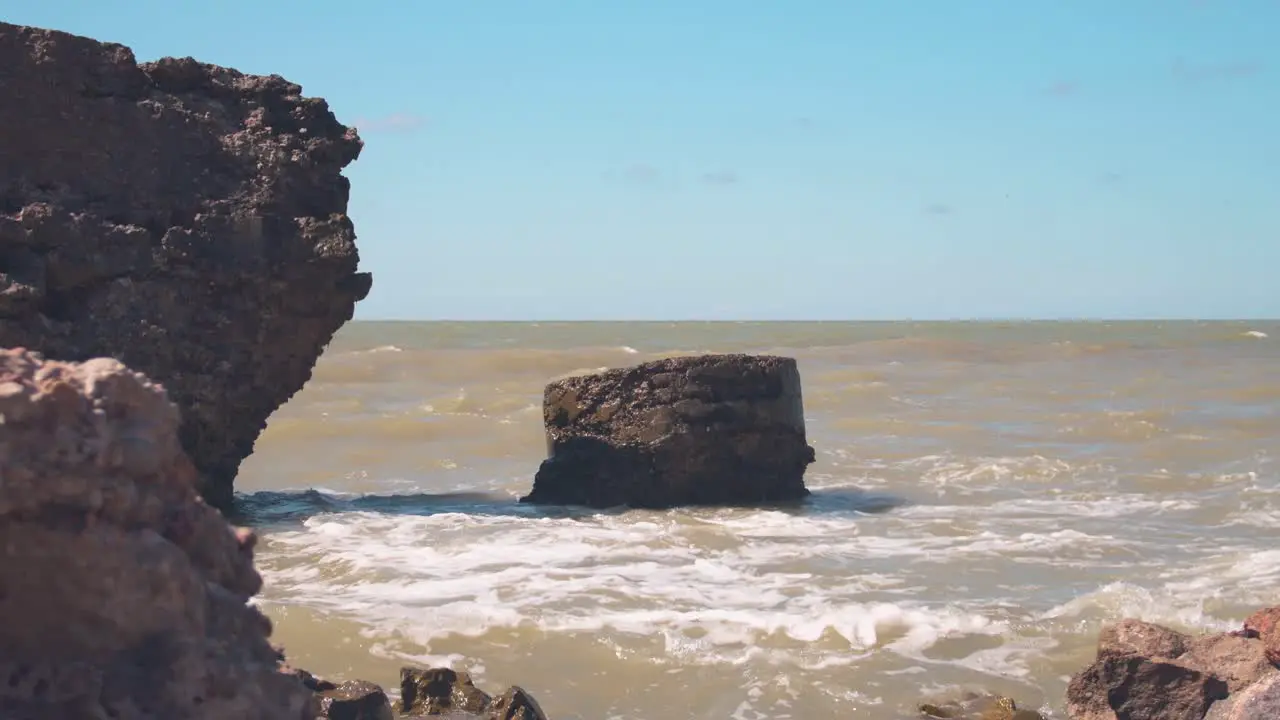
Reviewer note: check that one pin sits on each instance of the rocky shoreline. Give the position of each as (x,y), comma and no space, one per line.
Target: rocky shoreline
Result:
(432,692)
(126,596)
(1143,670)
(190,222)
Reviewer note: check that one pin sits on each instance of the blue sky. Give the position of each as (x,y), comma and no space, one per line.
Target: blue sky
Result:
(669,159)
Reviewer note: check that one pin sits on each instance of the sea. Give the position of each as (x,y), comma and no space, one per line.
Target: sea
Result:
(986,496)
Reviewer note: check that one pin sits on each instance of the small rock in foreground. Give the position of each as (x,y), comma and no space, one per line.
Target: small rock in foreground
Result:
(972,706)
(424,692)
(1139,688)
(702,430)
(356,700)
(1145,671)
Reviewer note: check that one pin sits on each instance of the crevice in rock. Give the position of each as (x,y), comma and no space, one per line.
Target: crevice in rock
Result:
(68,305)
(11,201)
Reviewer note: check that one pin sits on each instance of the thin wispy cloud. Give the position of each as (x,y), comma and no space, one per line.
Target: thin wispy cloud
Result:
(1063,88)
(395,122)
(721,177)
(1189,72)
(640,174)
(1110,177)
(938,209)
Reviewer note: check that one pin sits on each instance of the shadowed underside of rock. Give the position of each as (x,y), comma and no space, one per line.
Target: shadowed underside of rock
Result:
(704,430)
(123,595)
(184,218)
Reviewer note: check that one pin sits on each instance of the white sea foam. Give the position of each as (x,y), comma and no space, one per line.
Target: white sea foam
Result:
(1247,575)
(957,531)
(1127,600)
(813,589)
(433,576)
(378,349)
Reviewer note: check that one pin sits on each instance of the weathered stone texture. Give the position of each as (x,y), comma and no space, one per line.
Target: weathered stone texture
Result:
(124,595)
(703,430)
(184,218)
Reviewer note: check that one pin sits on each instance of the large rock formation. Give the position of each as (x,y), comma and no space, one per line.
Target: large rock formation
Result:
(704,430)
(1149,672)
(184,218)
(123,594)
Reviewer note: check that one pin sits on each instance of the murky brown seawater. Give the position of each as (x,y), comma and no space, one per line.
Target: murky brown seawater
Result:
(986,495)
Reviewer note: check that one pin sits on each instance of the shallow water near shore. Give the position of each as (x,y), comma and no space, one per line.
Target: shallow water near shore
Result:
(986,495)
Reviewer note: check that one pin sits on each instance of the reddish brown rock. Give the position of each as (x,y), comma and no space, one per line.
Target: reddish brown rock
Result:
(1135,637)
(184,218)
(1265,625)
(1263,621)
(1238,661)
(704,430)
(1259,701)
(1149,671)
(1131,687)
(123,594)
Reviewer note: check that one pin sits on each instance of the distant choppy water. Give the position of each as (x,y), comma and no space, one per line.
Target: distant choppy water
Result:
(986,495)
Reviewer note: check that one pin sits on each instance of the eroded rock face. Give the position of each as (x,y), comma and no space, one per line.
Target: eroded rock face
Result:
(1238,661)
(1259,701)
(705,430)
(1133,687)
(355,700)
(1135,637)
(123,594)
(1146,671)
(436,692)
(184,218)
(1265,626)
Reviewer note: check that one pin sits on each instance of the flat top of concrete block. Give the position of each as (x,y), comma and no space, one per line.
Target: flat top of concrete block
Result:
(729,363)
(645,402)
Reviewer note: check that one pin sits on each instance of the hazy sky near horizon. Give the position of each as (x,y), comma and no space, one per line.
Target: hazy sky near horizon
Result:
(823,159)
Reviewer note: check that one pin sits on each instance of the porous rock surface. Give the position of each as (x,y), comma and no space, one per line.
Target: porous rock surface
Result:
(184,218)
(441,693)
(699,430)
(976,706)
(123,595)
(1145,671)
(451,694)
(355,700)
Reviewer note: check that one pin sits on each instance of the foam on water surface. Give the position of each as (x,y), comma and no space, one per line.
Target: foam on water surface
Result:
(816,587)
(982,506)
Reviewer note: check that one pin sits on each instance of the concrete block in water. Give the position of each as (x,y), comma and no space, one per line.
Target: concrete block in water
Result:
(701,430)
